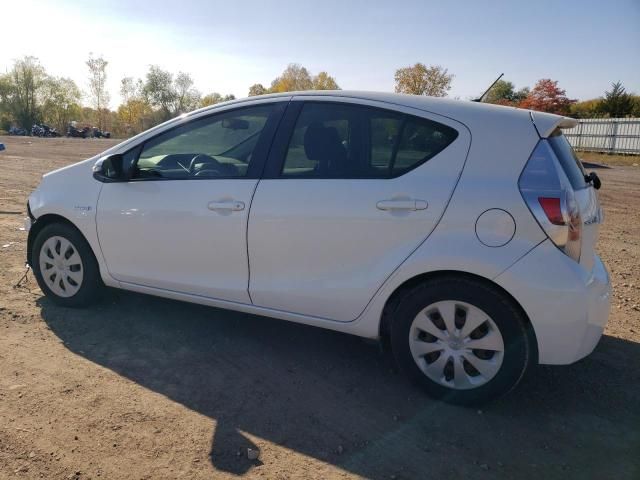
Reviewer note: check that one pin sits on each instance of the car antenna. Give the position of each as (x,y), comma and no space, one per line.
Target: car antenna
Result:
(479,99)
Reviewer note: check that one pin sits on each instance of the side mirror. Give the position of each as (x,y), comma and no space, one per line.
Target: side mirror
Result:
(110,169)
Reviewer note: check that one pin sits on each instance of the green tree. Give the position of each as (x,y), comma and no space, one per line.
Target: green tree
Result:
(97,87)
(324,81)
(257,89)
(6,89)
(419,79)
(187,98)
(22,91)
(159,92)
(520,95)
(617,102)
(62,102)
(130,89)
(504,93)
(635,99)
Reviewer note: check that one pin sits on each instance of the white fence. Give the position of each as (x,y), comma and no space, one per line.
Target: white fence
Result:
(608,135)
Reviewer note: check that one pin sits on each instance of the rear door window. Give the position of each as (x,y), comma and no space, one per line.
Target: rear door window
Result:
(334,140)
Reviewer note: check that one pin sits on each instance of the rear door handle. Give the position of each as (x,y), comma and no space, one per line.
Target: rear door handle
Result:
(402,205)
(232,205)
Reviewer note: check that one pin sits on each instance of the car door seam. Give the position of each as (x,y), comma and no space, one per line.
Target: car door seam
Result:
(255,189)
(395,270)
(246,239)
(104,258)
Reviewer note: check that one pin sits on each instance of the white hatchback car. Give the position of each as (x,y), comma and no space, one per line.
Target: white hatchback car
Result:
(462,233)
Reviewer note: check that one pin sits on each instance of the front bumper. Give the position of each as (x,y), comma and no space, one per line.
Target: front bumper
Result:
(568,306)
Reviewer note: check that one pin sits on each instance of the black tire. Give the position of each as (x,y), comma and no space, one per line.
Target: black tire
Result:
(91,285)
(518,338)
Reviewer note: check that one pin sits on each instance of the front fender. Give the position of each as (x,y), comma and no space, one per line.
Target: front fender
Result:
(72,194)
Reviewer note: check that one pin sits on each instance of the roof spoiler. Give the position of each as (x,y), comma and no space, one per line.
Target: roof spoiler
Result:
(546,123)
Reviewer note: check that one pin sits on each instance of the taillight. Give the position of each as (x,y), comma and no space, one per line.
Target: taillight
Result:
(552,209)
(550,197)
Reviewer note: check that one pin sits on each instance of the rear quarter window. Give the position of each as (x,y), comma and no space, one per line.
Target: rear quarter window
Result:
(570,162)
(421,140)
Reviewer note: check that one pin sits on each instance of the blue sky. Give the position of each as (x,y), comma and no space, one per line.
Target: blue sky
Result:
(227,46)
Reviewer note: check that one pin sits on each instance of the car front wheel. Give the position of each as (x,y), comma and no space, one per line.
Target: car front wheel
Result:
(64,266)
(461,339)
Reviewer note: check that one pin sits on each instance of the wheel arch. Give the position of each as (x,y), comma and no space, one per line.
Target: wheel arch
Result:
(40,223)
(393,300)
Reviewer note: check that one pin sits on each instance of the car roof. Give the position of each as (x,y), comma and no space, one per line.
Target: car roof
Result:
(470,113)
(475,116)
(422,102)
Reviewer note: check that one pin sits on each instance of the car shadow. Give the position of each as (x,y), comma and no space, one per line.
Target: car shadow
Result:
(337,398)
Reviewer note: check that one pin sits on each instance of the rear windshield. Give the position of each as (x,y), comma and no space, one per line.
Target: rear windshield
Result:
(571,165)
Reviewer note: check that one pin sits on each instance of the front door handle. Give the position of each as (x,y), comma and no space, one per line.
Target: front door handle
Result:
(411,204)
(232,205)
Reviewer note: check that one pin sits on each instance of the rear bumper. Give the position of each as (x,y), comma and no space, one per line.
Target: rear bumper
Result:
(567,305)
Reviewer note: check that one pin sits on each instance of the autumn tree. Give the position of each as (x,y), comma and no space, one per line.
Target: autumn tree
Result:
(97,86)
(419,79)
(586,108)
(546,96)
(130,92)
(257,89)
(134,113)
(324,81)
(294,78)
(214,98)
(617,102)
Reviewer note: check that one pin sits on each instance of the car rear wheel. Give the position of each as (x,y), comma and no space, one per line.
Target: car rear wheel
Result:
(64,266)
(461,339)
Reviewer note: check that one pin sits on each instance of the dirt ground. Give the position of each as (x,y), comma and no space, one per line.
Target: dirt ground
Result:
(144,388)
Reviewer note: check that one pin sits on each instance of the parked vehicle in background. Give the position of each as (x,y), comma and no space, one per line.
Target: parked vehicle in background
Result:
(43,130)
(18,131)
(74,131)
(370,214)
(97,133)
(86,132)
